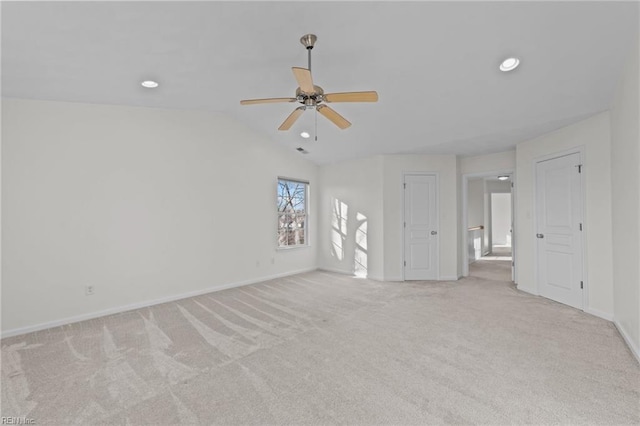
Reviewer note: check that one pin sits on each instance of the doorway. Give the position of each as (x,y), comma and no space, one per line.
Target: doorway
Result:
(488,221)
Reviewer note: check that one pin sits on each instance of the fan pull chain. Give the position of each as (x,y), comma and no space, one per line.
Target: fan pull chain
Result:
(316,125)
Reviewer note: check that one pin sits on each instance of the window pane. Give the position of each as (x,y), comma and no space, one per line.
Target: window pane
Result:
(282,237)
(300,236)
(285,221)
(292,202)
(291,196)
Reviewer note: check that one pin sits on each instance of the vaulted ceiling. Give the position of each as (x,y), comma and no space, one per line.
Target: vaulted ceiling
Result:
(434,65)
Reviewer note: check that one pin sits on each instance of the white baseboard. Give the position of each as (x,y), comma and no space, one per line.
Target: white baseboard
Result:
(448,278)
(599,314)
(351,273)
(375,277)
(130,307)
(528,290)
(589,311)
(632,347)
(336,270)
(399,278)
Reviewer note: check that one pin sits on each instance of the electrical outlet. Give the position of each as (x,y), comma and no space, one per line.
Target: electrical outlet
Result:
(89,290)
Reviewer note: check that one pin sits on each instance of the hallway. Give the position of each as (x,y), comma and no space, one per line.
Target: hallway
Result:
(495,266)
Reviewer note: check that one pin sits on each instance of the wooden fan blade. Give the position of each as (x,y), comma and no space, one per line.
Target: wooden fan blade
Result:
(371,96)
(305,82)
(286,124)
(266,101)
(333,116)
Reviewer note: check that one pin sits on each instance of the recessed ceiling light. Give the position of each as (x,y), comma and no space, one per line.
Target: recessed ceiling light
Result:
(509,64)
(503,177)
(305,135)
(149,84)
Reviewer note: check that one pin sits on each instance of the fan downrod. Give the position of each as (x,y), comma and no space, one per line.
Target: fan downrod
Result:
(308,41)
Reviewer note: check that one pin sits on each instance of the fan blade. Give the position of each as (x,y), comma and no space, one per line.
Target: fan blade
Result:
(286,124)
(333,116)
(305,81)
(371,96)
(266,101)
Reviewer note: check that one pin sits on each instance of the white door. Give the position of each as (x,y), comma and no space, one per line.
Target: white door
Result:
(559,229)
(420,228)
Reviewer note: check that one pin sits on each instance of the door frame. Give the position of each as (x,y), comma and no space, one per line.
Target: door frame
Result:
(402,218)
(465,219)
(583,235)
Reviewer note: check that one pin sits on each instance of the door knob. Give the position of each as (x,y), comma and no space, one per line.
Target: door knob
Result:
(539,235)
(434,232)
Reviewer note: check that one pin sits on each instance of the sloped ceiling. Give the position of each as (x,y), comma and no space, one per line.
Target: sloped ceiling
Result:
(434,65)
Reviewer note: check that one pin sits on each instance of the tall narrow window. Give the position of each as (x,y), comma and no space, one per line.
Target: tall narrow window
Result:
(292,213)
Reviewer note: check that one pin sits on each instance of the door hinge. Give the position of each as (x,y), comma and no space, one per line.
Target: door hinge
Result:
(581,284)
(579,166)
(405,263)
(405,224)
(405,185)
(581,227)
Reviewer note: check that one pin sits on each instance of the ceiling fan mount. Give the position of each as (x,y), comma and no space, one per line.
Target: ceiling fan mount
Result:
(312,96)
(308,40)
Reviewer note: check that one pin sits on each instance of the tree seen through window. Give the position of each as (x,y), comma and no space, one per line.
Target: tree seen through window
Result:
(292,213)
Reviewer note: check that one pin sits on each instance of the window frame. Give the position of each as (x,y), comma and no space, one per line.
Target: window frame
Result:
(306,215)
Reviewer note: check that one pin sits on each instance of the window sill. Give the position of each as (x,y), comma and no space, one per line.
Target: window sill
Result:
(298,247)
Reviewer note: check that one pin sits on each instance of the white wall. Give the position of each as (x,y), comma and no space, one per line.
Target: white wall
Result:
(487,245)
(351,217)
(594,135)
(143,204)
(493,187)
(445,166)
(500,218)
(498,187)
(625,181)
(475,203)
(476,239)
(488,163)
(373,187)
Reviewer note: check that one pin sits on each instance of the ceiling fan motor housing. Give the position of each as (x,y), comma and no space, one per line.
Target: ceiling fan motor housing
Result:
(310,99)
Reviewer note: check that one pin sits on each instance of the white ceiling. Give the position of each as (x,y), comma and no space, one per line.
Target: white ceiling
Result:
(434,65)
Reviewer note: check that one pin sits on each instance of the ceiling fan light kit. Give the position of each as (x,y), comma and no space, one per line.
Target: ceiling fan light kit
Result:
(312,96)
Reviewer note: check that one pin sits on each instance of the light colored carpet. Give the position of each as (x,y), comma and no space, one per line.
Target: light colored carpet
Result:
(498,253)
(321,348)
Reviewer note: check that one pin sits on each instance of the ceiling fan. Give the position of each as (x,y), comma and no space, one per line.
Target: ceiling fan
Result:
(312,96)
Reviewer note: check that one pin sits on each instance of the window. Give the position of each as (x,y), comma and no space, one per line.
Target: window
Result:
(292,213)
